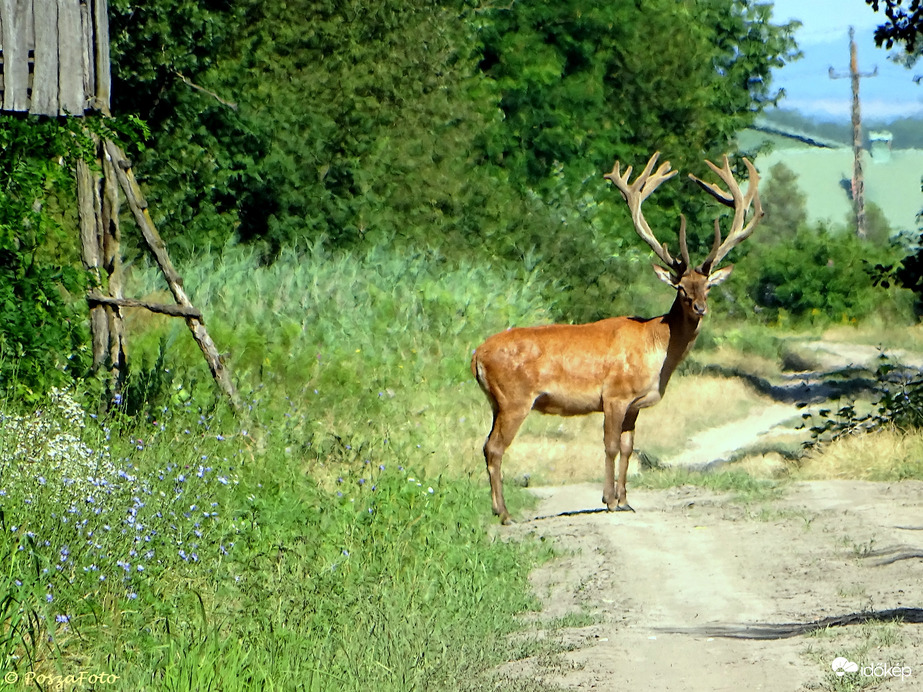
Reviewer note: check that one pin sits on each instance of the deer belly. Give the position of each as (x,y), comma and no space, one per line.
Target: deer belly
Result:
(569,403)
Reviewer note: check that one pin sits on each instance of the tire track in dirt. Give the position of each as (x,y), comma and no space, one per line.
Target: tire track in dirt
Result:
(722,444)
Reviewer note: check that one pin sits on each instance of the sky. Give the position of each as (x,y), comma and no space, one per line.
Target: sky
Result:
(824,40)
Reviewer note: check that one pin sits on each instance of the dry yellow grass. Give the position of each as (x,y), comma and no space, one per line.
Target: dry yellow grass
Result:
(765,466)
(553,450)
(879,456)
(874,332)
(735,359)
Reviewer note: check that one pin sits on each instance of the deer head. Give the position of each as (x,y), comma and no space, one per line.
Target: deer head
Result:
(691,283)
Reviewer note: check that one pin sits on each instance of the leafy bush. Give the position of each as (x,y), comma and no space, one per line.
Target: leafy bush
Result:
(817,275)
(897,402)
(43,336)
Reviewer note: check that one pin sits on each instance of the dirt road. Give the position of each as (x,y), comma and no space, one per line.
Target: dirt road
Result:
(816,587)
(681,593)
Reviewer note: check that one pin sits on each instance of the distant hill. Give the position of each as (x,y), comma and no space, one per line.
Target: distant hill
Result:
(908,132)
(824,168)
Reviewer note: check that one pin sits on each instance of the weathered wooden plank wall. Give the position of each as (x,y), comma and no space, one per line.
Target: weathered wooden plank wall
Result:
(55,56)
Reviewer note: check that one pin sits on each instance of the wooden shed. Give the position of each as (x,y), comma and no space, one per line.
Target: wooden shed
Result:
(55,56)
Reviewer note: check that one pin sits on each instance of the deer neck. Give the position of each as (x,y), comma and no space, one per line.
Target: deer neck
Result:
(682,328)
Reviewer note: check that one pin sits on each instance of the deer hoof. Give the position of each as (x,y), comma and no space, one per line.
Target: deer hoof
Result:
(505,518)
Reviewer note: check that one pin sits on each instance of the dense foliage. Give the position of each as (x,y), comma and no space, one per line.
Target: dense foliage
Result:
(904,23)
(815,274)
(590,84)
(42,331)
(422,121)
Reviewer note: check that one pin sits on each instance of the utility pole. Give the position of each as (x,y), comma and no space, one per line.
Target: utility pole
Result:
(858,183)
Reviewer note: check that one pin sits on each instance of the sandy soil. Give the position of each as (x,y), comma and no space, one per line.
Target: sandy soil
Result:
(677,590)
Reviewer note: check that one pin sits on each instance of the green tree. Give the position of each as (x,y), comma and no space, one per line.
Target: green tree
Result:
(198,173)
(388,120)
(878,228)
(597,81)
(784,203)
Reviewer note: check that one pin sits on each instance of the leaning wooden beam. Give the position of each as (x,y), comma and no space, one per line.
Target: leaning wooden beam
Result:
(172,310)
(175,283)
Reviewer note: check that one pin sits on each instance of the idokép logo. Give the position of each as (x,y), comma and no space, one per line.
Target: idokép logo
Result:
(842,665)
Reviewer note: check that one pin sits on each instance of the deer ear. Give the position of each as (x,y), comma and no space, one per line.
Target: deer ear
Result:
(717,277)
(665,275)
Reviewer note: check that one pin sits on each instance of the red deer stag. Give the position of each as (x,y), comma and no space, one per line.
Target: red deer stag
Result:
(618,365)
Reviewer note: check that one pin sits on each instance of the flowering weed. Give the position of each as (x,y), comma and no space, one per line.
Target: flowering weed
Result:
(88,523)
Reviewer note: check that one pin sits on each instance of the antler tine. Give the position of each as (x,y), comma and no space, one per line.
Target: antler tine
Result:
(683,250)
(635,193)
(739,202)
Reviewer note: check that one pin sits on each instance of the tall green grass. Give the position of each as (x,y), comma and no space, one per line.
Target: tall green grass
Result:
(371,313)
(177,556)
(339,539)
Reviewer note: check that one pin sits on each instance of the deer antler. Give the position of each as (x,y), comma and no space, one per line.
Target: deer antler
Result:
(739,202)
(638,191)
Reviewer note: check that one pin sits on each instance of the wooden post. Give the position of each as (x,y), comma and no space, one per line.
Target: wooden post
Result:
(111,240)
(98,206)
(155,243)
(87,211)
(858,180)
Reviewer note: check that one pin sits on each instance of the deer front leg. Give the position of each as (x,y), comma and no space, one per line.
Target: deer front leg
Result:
(626,446)
(619,440)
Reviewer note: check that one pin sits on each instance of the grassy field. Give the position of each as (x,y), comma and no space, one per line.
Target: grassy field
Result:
(337,535)
(332,539)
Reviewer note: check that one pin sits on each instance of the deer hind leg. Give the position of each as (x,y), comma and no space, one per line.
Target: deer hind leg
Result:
(506,425)
(619,434)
